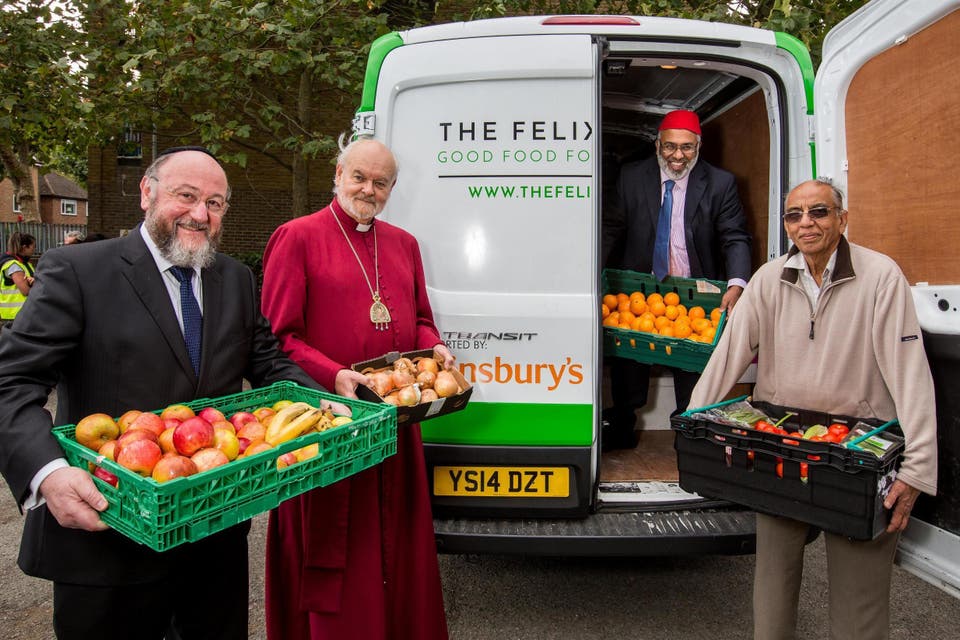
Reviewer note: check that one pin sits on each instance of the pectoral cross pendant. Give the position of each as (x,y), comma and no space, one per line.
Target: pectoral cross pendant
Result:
(379,314)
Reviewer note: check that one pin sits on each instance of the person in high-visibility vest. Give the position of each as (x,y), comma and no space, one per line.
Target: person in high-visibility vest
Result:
(16,275)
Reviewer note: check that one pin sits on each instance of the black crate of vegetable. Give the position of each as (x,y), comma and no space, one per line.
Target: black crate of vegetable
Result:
(830,486)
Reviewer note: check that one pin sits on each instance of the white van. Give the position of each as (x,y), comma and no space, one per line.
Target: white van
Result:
(508,131)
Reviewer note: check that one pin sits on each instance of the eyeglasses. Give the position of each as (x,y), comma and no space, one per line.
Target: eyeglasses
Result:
(189,199)
(670,147)
(793,216)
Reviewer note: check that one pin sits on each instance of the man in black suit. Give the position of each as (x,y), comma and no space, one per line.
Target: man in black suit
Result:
(702,233)
(104,324)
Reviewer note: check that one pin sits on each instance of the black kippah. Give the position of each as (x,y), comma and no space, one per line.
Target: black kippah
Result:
(167,152)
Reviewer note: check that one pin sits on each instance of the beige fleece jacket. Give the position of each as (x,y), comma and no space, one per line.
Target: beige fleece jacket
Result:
(860,354)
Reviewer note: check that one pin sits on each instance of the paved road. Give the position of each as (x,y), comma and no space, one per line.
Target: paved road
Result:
(501,597)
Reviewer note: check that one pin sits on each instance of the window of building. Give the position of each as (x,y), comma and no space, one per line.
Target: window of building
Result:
(16,203)
(68,207)
(129,148)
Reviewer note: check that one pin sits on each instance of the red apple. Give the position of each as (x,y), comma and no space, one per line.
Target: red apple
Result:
(192,435)
(96,429)
(127,418)
(173,466)
(226,440)
(256,447)
(252,431)
(140,456)
(241,418)
(211,415)
(209,458)
(179,412)
(106,476)
(244,443)
(225,424)
(108,449)
(169,423)
(149,421)
(166,440)
(286,460)
(264,414)
(134,435)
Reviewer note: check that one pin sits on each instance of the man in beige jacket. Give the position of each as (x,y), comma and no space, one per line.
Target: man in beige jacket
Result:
(834,329)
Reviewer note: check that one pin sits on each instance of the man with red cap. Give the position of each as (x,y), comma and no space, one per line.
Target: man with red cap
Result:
(673,214)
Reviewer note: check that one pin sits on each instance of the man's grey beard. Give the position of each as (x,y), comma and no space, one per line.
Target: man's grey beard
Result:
(676,175)
(173,250)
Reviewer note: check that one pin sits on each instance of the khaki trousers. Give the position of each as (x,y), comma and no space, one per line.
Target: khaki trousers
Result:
(858,575)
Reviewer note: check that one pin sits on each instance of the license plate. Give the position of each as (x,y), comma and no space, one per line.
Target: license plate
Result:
(502,482)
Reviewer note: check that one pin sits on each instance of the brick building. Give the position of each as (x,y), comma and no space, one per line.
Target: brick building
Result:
(62,201)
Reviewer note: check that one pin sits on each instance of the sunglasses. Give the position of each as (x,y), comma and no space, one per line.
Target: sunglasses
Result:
(793,216)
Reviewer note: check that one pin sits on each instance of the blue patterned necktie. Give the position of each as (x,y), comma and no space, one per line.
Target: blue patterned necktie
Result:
(661,248)
(192,320)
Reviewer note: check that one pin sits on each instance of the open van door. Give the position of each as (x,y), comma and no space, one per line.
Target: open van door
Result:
(887,127)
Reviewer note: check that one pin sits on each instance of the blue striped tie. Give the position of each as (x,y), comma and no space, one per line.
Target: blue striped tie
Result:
(661,248)
(192,320)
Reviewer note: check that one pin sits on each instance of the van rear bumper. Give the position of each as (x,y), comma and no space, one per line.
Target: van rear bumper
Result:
(656,533)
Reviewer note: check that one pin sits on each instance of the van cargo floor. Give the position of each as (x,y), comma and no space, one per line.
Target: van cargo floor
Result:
(654,458)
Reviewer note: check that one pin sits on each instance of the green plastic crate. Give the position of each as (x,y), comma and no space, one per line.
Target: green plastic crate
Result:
(655,349)
(164,515)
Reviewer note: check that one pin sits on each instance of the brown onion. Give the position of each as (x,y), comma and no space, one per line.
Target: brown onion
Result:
(382,382)
(428,364)
(403,363)
(392,399)
(428,395)
(426,379)
(402,378)
(409,396)
(446,385)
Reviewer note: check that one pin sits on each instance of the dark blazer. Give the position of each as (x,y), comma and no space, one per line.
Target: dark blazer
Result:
(718,243)
(99,326)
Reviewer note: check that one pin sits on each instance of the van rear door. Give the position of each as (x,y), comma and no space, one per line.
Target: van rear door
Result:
(887,124)
(497,152)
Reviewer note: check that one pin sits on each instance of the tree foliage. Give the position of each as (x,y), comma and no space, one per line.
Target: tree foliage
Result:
(42,107)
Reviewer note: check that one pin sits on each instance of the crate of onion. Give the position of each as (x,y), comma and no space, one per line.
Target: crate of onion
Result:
(416,383)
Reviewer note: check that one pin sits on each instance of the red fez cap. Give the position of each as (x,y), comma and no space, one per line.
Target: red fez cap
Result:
(681,119)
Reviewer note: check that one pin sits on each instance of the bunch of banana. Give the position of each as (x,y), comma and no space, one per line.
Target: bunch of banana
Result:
(291,422)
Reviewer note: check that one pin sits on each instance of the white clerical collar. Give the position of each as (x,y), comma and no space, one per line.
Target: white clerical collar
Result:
(364,227)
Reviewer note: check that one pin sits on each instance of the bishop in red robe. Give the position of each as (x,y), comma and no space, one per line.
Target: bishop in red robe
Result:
(356,559)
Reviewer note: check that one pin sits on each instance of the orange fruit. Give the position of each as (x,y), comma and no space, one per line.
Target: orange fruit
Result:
(671,298)
(697,312)
(612,320)
(667,331)
(625,325)
(604,311)
(708,334)
(657,308)
(646,324)
(671,312)
(661,322)
(682,330)
(611,301)
(700,325)
(635,325)
(715,314)
(627,317)
(682,309)
(623,305)
(637,304)
(654,297)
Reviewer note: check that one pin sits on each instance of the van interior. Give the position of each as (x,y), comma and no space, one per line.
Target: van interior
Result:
(636,92)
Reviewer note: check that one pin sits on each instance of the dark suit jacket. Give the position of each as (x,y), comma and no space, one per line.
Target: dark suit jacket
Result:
(99,325)
(718,243)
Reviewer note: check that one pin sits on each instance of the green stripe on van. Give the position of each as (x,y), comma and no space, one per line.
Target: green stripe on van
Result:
(508,423)
(378,51)
(801,54)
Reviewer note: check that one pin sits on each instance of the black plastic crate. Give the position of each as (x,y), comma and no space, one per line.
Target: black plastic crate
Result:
(844,488)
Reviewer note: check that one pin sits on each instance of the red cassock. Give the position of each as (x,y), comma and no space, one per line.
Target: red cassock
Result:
(357,559)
